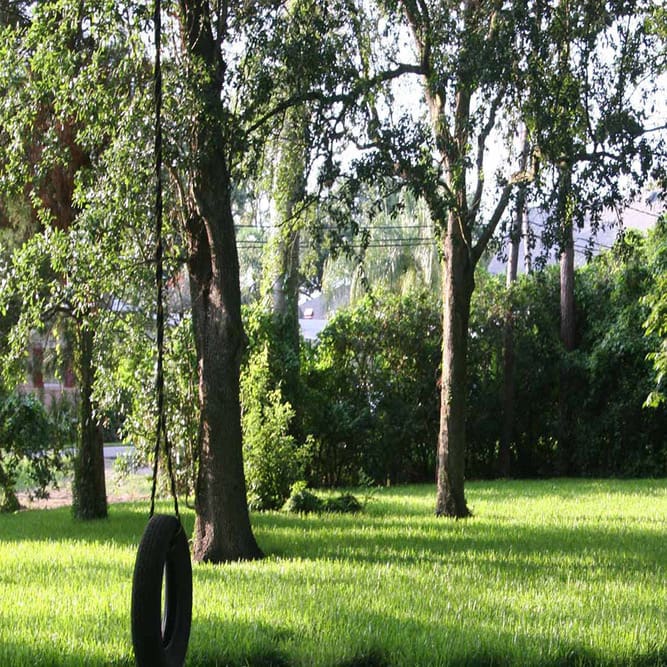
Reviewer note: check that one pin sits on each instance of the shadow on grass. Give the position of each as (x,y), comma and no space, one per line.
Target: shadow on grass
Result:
(124,526)
(514,551)
(218,642)
(361,539)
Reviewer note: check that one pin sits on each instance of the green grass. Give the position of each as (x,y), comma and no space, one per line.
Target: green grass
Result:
(546,573)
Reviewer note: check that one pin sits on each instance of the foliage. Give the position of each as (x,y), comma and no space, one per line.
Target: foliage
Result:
(595,141)
(345,503)
(371,400)
(534,303)
(611,432)
(273,458)
(32,442)
(74,116)
(656,322)
(302,501)
(615,434)
(128,389)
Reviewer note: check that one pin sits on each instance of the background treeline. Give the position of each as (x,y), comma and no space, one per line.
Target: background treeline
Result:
(367,393)
(361,404)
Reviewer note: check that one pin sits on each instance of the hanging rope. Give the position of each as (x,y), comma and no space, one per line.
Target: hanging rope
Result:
(161,429)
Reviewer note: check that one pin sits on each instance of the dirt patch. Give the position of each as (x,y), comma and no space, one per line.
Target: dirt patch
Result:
(63,498)
(134,487)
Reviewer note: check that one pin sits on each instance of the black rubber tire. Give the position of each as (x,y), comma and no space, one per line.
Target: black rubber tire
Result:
(161,640)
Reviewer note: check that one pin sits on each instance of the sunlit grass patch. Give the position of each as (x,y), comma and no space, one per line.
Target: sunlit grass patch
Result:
(552,572)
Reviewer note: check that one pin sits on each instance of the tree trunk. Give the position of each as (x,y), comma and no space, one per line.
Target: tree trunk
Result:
(509,362)
(457,289)
(527,237)
(89,488)
(10,501)
(283,258)
(567,306)
(567,323)
(222,525)
(289,191)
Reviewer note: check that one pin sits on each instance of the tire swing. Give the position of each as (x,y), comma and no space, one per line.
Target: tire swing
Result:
(161,619)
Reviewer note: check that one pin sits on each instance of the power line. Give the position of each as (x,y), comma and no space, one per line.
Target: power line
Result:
(649,213)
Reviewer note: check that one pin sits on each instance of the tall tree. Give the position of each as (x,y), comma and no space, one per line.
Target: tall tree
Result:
(588,111)
(484,65)
(222,528)
(43,159)
(243,69)
(282,258)
(469,55)
(517,223)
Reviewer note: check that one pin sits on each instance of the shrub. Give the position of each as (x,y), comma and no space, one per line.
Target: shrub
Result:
(273,461)
(371,397)
(31,444)
(302,501)
(346,503)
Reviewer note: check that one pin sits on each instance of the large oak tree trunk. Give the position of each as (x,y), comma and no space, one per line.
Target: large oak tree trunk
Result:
(222,526)
(89,487)
(458,285)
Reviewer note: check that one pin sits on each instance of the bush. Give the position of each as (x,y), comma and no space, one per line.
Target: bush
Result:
(346,503)
(31,444)
(273,459)
(371,396)
(302,501)
(609,375)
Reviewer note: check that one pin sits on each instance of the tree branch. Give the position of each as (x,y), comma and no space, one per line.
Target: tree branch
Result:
(481,145)
(519,178)
(359,88)
(490,227)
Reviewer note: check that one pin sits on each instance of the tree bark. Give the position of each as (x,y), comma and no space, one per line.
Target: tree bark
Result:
(567,305)
(289,192)
(283,258)
(222,525)
(509,363)
(567,320)
(457,289)
(89,488)
(527,245)
(568,339)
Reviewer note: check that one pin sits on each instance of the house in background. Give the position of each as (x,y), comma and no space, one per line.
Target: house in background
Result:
(41,380)
(641,215)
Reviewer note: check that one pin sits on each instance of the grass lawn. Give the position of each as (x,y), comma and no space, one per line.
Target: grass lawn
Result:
(546,573)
